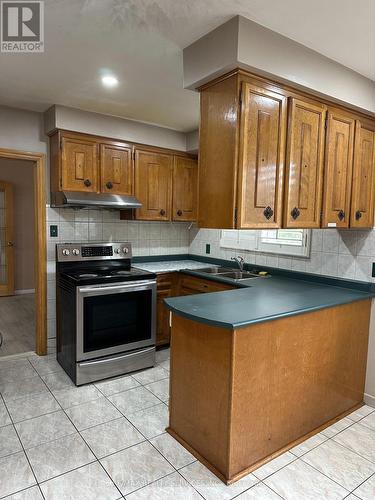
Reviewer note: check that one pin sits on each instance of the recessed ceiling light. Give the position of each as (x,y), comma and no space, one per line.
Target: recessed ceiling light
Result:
(109,81)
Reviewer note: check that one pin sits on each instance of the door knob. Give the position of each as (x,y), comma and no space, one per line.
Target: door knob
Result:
(162,212)
(10,244)
(179,212)
(358,214)
(341,215)
(109,185)
(87,182)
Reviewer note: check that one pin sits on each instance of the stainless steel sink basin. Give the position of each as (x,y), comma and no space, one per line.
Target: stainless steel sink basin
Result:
(227,272)
(215,270)
(239,275)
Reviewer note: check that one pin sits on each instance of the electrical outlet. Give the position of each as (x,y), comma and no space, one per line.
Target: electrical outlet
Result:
(53,231)
(208,248)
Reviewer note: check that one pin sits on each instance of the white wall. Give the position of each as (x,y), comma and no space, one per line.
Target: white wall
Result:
(114,127)
(268,53)
(22,130)
(192,141)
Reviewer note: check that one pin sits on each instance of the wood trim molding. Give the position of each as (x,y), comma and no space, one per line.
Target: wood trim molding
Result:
(292,91)
(38,161)
(119,142)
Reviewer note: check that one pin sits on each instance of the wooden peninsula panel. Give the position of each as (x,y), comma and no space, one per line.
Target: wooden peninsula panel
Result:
(239,398)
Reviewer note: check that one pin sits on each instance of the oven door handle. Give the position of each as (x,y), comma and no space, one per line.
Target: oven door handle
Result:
(114,288)
(110,359)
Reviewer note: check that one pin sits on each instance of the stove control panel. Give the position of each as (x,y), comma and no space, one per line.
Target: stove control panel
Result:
(67,252)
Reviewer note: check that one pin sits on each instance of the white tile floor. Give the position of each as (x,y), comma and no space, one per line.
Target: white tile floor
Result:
(107,441)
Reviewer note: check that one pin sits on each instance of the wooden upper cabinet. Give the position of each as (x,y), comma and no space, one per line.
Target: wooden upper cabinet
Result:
(261,158)
(116,169)
(304,164)
(153,184)
(185,172)
(79,164)
(338,170)
(362,205)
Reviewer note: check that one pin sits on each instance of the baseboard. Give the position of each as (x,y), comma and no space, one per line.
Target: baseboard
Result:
(24,292)
(369,400)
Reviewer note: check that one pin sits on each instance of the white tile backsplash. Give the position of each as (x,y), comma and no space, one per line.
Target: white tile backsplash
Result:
(341,253)
(147,238)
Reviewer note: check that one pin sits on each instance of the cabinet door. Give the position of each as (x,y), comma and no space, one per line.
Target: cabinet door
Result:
(304,164)
(362,205)
(79,165)
(116,168)
(165,289)
(338,170)
(153,185)
(185,172)
(261,161)
(163,333)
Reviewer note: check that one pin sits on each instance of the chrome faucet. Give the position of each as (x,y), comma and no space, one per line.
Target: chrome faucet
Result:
(240,261)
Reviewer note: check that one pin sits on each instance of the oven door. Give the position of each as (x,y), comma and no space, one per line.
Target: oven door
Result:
(115,318)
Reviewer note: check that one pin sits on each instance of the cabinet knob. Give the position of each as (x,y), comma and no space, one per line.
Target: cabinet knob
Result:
(358,214)
(179,212)
(268,213)
(87,182)
(341,215)
(162,212)
(295,213)
(109,185)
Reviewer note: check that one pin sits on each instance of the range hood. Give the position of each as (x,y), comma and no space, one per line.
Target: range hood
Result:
(76,199)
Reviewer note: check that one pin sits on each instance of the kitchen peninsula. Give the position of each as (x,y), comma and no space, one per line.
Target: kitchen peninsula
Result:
(258,369)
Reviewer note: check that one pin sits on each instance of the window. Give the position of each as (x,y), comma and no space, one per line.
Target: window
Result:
(285,241)
(278,241)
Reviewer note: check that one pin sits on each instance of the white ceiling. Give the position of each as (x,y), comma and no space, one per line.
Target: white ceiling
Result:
(141,42)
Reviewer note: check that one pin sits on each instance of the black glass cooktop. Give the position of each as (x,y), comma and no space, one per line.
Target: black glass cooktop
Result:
(106,275)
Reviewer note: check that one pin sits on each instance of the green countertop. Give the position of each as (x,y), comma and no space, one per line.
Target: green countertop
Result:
(262,299)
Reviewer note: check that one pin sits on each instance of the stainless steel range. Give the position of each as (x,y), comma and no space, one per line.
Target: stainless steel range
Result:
(106,312)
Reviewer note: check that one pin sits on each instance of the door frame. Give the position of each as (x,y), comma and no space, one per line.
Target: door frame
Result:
(38,162)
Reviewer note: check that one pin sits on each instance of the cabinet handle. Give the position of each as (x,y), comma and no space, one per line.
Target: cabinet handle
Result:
(179,212)
(295,213)
(268,213)
(162,212)
(341,215)
(109,185)
(87,182)
(358,214)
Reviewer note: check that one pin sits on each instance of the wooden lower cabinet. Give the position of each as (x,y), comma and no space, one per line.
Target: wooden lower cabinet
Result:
(241,397)
(165,288)
(175,284)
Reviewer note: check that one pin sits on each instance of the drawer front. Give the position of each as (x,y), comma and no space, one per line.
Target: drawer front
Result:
(165,281)
(198,285)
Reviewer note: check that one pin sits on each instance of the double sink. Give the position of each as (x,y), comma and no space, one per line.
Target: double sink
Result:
(227,272)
